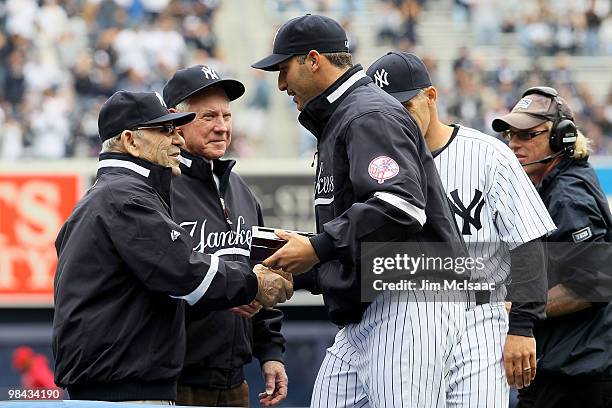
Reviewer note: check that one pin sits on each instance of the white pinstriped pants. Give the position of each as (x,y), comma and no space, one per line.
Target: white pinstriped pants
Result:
(399,355)
(477,378)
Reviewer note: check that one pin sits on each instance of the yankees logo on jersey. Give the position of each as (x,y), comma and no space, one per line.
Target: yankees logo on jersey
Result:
(464,212)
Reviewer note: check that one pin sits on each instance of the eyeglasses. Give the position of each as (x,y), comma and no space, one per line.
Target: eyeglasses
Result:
(167,129)
(522,135)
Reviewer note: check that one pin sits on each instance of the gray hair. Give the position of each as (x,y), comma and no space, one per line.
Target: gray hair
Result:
(183,106)
(112,144)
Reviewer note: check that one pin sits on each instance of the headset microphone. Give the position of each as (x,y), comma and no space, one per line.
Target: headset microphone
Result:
(546,159)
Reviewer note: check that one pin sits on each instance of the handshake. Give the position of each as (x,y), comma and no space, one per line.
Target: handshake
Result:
(275,286)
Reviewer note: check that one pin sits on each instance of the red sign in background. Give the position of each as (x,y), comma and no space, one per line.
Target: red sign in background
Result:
(32,210)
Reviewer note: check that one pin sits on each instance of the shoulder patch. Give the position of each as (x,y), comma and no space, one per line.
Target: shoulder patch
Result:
(174,235)
(383,168)
(582,235)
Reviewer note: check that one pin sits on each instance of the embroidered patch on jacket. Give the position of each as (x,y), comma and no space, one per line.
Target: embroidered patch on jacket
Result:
(174,235)
(582,234)
(383,168)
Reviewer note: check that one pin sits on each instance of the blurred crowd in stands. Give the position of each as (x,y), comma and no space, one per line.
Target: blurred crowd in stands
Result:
(62,58)
(477,95)
(544,27)
(480,92)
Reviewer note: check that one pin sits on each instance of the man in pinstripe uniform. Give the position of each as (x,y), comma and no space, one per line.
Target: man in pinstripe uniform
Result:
(376,182)
(497,210)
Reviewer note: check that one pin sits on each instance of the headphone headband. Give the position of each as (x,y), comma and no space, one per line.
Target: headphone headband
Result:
(542,90)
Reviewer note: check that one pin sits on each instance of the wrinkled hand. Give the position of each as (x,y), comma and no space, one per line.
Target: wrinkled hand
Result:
(276,382)
(249,310)
(273,288)
(519,354)
(296,256)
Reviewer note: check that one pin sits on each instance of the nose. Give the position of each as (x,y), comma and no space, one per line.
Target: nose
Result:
(177,138)
(220,125)
(513,144)
(282,82)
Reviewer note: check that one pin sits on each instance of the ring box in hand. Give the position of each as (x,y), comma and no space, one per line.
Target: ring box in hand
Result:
(264,242)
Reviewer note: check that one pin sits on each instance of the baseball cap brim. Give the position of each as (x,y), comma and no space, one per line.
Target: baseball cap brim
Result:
(517,120)
(270,63)
(405,96)
(233,89)
(178,118)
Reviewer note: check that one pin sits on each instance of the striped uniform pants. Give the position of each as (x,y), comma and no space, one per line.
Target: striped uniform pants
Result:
(399,355)
(477,378)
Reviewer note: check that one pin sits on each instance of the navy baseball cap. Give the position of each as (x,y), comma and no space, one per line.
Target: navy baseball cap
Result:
(300,35)
(400,74)
(189,81)
(128,110)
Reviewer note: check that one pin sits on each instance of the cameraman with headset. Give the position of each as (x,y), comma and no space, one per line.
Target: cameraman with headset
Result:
(573,343)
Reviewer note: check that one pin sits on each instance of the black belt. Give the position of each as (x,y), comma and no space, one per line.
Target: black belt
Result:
(482,297)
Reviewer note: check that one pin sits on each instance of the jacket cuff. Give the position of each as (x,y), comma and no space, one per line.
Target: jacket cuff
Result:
(520,325)
(323,245)
(269,352)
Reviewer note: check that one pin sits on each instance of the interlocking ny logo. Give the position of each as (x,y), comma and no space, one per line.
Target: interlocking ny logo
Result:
(161,100)
(380,77)
(209,71)
(458,208)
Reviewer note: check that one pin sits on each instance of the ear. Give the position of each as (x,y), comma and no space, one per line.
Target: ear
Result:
(130,143)
(172,110)
(432,95)
(313,60)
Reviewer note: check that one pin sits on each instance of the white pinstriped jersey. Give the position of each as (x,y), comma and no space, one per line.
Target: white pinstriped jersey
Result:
(492,197)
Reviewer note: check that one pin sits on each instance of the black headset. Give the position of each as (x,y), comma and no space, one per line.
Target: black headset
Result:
(563,133)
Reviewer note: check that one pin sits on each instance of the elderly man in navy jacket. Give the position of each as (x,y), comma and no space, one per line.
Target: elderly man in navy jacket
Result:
(218,209)
(126,268)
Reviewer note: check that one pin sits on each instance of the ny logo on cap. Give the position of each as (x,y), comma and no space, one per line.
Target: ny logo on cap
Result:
(161,100)
(380,77)
(209,71)
(275,34)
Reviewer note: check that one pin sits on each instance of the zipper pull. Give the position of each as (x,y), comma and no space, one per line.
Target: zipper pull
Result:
(314,157)
(225,211)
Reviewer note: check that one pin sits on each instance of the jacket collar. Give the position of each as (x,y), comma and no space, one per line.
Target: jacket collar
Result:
(200,168)
(565,164)
(318,110)
(158,177)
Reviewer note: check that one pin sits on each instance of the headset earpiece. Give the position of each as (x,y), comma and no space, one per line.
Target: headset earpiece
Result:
(563,133)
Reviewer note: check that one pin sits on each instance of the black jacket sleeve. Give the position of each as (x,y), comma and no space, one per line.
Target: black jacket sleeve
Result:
(528,287)
(268,342)
(160,253)
(382,204)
